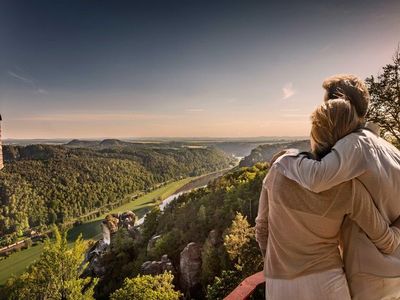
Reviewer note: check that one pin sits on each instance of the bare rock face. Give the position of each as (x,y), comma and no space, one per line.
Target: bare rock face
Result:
(152,242)
(109,227)
(214,237)
(190,267)
(93,257)
(106,233)
(158,267)
(128,219)
(111,221)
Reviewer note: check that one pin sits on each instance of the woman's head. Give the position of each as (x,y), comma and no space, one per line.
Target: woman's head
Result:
(332,121)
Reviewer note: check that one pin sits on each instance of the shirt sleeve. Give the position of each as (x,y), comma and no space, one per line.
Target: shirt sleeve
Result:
(345,162)
(364,212)
(262,218)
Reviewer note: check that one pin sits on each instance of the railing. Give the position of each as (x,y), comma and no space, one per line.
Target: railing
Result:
(246,288)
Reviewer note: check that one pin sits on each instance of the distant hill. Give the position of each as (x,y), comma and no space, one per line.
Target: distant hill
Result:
(82,143)
(236,147)
(264,153)
(45,184)
(113,143)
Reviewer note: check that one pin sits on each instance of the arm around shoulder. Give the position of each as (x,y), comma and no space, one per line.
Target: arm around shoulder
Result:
(344,162)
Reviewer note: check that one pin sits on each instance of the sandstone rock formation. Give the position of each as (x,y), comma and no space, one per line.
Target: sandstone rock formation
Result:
(264,153)
(111,221)
(109,227)
(214,237)
(158,267)
(190,268)
(152,242)
(128,219)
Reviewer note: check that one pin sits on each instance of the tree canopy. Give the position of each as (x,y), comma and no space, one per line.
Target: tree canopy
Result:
(147,287)
(384,108)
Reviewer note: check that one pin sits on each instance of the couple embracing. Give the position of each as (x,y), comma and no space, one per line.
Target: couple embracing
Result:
(328,221)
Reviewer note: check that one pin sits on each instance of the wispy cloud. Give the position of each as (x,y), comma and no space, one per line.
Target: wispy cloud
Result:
(28,81)
(19,77)
(195,109)
(288,90)
(41,91)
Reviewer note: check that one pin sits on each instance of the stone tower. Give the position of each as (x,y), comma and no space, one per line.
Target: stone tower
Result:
(1,148)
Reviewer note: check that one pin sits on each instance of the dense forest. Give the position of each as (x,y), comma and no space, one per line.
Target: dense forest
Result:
(45,184)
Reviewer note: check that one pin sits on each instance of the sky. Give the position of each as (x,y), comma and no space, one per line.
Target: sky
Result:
(126,69)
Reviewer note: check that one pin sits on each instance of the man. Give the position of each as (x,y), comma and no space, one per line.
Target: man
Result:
(376,163)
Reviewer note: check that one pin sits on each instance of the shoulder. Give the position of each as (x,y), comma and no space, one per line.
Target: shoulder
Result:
(353,138)
(272,175)
(356,141)
(366,142)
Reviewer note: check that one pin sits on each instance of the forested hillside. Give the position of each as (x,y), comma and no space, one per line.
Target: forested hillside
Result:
(205,217)
(44,184)
(264,153)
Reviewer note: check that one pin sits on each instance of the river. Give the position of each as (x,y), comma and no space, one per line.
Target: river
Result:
(200,182)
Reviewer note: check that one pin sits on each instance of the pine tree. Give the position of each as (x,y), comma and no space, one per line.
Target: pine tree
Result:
(385,100)
(238,235)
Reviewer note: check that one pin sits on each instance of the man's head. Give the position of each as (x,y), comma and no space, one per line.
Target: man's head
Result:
(348,87)
(330,122)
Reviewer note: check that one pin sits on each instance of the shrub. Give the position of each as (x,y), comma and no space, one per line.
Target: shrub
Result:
(147,287)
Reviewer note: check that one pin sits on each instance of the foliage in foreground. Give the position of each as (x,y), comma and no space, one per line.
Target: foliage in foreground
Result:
(384,108)
(242,249)
(56,275)
(147,287)
(223,284)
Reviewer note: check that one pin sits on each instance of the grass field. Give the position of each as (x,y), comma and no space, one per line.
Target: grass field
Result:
(16,263)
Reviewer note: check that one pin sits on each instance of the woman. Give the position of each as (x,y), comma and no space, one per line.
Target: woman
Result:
(298,230)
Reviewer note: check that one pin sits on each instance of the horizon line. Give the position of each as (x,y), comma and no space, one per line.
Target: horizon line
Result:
(157,137)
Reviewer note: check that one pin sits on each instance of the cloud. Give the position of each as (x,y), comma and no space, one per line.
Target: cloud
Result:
(41,91)
(19,77)
(288,90)
(194,109)
(28,81)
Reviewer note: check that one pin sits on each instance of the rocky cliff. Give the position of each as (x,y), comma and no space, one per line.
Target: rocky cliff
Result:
(264,153)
